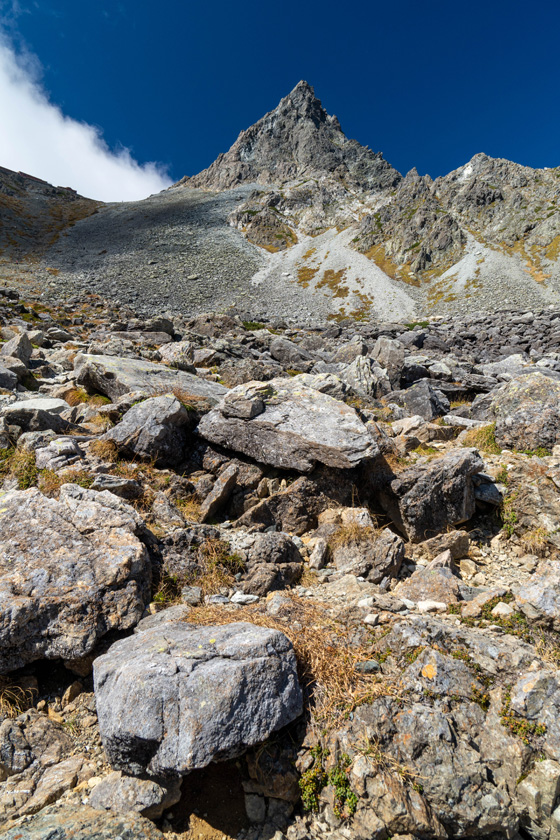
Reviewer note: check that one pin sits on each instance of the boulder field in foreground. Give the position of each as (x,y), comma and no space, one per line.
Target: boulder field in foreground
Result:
(70,570)
(175,697)
(285,424)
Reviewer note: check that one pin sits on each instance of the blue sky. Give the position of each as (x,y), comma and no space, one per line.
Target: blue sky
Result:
(427,83)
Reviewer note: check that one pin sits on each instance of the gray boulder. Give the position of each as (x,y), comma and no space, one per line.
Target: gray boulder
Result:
(8,379)
(422,399)
(526,412)
(366,377)
(424,501)
(219,494)
(288,425)
(390,355)
(19,347)
(177,696)
(179,354)
(147,797)
(374,557)
(539,596)
(153,430)
(70,570)
(118,375)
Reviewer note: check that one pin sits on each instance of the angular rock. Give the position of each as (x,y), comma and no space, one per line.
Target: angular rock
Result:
(423,501)
(118,375)
(366,377)
(421,399)
(281,424)
(526,412)
(19,347)
(179,354)
(8,379)
(177,696)
(539,596)
(438,585)
(70,570)
(123,794)
(83,823)
(373,556)
(153,430)
(220,493)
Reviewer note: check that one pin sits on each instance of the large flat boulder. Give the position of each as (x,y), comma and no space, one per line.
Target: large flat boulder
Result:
(155,429)
(285,424)
(118,375)
(176,696)
(424,501)
(70,570)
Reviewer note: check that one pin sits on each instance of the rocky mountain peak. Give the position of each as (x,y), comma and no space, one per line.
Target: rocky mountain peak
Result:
(298,139)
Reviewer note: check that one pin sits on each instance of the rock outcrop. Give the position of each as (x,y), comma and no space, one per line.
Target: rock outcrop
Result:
(70,570)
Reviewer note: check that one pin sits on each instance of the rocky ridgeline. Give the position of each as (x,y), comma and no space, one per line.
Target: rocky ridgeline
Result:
(262,581)
(297,221)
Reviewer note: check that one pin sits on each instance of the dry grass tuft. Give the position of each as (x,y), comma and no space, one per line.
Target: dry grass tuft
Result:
(50,483)
(190,508)
(536,541)
(19,464)
(105,449)
(352,532)
(14,699)
(483,438)
(326,655)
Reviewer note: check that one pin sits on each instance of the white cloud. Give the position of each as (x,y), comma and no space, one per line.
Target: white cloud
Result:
(37,138)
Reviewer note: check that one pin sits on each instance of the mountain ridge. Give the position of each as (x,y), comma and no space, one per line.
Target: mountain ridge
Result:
(297,218)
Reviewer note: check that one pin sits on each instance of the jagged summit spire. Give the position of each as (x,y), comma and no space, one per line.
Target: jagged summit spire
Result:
(298,139)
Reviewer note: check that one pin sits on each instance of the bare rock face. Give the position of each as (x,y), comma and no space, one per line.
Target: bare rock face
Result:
(288,425)
(70,570)
(176,696)
(423,501)
(295,140)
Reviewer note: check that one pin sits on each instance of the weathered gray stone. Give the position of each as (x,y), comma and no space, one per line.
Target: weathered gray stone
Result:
(366,377)
(220,493)
(147,797)
(19,347)
(281,424)
(176,697)
(371,555)
(526,412)
(70,570)
(154,430)
(539,596)
(422,399)
(423,501)
(117,375)
(84,823)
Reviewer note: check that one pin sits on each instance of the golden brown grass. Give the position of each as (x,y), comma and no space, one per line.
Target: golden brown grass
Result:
(325,654)
(105,449)
(483,438)
(79,396)
(19,464)
(352,532)
(14,699)
(536,541)
(190,508)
